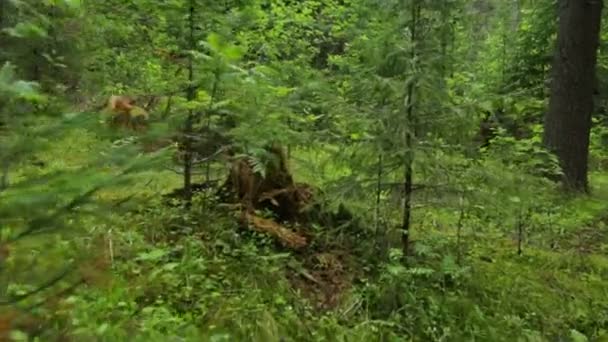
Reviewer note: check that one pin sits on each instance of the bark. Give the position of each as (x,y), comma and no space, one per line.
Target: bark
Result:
(516,14)
(568,120)
(188,127)
(214,94)
(4,178)
(378,195)
(2,38)
(409,137)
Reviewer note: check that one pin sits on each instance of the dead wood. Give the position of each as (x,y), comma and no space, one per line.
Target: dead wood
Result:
(275,191)
(284,235)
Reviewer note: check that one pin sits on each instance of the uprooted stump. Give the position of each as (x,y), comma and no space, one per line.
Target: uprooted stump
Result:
(290,204)
(275,191)
(324,273)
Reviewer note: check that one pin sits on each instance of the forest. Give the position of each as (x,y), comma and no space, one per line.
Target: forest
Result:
(311,170)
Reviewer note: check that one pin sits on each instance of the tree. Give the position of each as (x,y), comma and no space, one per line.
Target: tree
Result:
(191,95)
(43,205)
(568,120)
(51,54)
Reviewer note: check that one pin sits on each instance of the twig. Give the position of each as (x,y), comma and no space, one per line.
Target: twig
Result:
(211,157)
(59,294)
(41,288)
(461,218)
(4,180)
(111,248)
(34,225)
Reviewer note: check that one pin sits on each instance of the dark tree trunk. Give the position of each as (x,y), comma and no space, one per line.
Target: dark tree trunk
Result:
(2,38)
(36,65)
(378,195)
(568,120)
(408,183)
(1,14)
(188,127)
(4,178)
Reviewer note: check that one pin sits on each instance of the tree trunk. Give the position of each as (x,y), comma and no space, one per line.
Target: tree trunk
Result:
(1,14)
(378,196)
(3,42)
(409,137)
(568,120)
(188,127)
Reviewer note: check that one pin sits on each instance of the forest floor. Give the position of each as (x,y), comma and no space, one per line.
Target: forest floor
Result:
(226,285)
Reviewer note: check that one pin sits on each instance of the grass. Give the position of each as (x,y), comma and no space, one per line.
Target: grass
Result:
(215,284)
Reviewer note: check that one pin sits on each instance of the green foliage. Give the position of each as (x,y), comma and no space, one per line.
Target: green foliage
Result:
(598,148)
(44,41)
(355,90)
(10,87)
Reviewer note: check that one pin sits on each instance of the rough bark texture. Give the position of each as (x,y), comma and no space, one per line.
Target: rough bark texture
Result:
(568,121)
(295,207)
(188,126)
(409,137)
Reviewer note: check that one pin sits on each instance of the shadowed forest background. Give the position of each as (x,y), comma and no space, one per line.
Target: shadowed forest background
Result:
(314,170)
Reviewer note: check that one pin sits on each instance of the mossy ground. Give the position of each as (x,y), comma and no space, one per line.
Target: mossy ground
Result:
(198,277)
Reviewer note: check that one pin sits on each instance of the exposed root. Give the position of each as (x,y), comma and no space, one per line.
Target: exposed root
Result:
(285,236)
(323,277)
(276,192)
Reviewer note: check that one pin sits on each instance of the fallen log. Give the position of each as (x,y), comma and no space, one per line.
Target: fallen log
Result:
(284,235)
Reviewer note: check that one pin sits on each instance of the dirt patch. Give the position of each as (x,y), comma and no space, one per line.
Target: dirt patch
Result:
(323,278)
(586,240)
(589,240)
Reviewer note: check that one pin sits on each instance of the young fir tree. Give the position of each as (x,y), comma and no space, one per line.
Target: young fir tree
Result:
(46,206)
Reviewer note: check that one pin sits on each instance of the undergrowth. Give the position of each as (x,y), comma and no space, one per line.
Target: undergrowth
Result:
(199,276)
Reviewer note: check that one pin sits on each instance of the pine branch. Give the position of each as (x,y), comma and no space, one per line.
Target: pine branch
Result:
(49,283)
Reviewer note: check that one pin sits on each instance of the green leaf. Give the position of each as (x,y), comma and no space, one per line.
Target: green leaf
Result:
(214,41)
(7,73)
(203,96)
(26,30)
(448,265)
(221,104)
(17,335)
(515,199)
(22,89)
(486,106)
(395,269)
(154,255)
(420,271)
(138,111)
(102,329)
(233,53)
(578,336)
(73,4)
